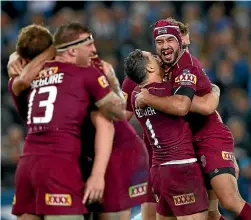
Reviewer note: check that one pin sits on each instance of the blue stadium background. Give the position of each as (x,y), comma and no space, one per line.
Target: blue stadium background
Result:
(220,37)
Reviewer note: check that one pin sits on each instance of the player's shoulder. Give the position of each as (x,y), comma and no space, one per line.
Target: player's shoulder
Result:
(128,83)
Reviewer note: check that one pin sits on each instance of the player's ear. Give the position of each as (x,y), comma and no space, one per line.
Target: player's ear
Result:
(149,67)
(72,52)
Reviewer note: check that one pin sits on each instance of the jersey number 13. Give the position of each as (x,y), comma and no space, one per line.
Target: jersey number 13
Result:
(48,104)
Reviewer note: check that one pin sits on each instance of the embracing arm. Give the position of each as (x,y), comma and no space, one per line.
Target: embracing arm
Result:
(31,70)
(175,105)
(208,103)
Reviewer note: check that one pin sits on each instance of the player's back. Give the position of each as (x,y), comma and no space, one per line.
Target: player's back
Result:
(170,136)
(202,126)
(57,105)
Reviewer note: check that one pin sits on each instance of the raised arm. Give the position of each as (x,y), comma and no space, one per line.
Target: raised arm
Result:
(30,71)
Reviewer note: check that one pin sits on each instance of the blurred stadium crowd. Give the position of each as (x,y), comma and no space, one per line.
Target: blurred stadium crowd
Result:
(220,34)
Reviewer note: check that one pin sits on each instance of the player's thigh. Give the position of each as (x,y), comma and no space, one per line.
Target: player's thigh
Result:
(183,188)
(24,201)
(121,215)
(161,217)
(216,156)
(29,217)
(197,216)
(59,187)
(226,189)
(63,217)
(148,211)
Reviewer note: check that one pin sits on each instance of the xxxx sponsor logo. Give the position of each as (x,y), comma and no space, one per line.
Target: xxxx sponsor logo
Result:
(227,155)
(138,190)
(184,199)
(186,77)
(58,199)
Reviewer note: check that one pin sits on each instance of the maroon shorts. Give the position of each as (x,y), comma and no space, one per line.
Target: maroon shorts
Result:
(215,153)
(179,189)
(126,179)
(150,195)
(48,185)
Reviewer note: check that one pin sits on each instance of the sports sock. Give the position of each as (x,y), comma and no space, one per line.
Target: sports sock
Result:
(245,212)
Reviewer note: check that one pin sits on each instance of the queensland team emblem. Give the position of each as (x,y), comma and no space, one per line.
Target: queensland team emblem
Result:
(103,81)
(47,72)
(227,155)
(58,199)
(138,190)
(184,199)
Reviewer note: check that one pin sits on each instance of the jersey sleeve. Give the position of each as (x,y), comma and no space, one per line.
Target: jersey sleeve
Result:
(128,87)
(97,85)
(185,82)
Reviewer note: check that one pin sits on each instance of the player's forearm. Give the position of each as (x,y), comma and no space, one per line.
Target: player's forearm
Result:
(31,70)
(175,105)
(114,83)
(205,105)
(112,107)
(103,148)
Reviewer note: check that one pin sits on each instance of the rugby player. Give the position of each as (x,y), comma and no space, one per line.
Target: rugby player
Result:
(128,169)
(212,139)
(175,174)
(149,209)
(52,145)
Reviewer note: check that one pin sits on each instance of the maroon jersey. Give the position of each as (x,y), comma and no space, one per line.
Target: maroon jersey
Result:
(170,136)
(128,87)
(188,73)
(57,104)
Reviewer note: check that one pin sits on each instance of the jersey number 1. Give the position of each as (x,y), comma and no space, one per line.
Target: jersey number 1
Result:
(48,104)
(150,128)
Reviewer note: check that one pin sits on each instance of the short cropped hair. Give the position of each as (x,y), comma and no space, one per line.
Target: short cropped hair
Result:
(33,40)
(135,66)
(69,32)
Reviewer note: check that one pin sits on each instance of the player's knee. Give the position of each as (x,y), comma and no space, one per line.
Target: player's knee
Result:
(64,217)
(213,215)
(28,217)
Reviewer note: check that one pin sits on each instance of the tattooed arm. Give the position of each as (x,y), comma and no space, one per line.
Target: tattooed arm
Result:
(113,80)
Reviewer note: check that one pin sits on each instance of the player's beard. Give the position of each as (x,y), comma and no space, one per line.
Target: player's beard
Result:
(171,59)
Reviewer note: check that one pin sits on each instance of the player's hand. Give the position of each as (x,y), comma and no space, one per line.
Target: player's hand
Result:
(94,189)
(215,89)
(108,70)
(140,98)
(15,65)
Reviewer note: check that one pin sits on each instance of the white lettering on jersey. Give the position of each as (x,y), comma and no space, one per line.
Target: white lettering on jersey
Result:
(53,79)
(145,112)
